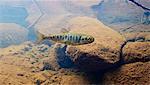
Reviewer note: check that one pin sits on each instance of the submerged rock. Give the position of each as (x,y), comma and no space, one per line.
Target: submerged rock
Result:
(32,66)
(137,36)
(120,14)
(136,28)
(135,73)
(136,51)
(40,64)
(11,34)
(74,79)
(102,53)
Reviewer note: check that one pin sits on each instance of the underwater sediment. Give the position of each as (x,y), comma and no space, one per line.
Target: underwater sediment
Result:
(111,59)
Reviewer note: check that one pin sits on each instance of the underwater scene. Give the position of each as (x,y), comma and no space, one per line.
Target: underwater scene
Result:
(74,42)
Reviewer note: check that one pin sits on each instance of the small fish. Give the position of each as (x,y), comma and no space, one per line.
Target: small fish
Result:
(69,38)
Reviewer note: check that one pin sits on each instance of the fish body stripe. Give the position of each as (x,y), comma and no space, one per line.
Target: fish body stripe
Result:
(78,38)
(73,39)
(67,37)
(70,38)
(61,37)
(57,37)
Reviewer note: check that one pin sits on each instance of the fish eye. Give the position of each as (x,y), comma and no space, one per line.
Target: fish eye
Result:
(89,39)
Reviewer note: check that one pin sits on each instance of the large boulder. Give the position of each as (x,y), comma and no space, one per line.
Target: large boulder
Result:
(135,73)
(103,52)
(137,36)
(137,46)
(136,51)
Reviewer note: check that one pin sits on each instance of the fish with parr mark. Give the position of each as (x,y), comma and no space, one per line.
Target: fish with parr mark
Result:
(69,38)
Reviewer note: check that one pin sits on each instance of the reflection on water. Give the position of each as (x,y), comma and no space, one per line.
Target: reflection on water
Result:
(118,14)
(17,15)
(9,14)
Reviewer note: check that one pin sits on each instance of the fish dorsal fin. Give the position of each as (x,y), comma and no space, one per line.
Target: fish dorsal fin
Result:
(65,30)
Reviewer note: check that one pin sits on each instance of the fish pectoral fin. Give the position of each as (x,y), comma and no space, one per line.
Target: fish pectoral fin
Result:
(53,42)
(68,43)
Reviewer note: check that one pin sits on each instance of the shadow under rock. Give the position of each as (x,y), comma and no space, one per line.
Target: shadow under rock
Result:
(94,67)
(63,59)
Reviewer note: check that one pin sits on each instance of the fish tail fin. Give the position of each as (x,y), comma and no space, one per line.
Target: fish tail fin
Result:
(40,37)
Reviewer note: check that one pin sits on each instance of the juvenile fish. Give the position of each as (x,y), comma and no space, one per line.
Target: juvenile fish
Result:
(69,38)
